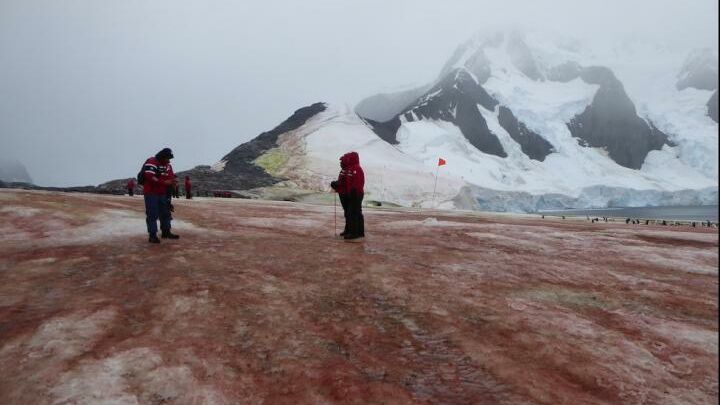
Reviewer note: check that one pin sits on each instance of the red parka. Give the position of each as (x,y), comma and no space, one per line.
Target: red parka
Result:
(352,178)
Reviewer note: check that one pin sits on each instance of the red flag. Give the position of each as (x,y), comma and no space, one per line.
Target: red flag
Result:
(441,162)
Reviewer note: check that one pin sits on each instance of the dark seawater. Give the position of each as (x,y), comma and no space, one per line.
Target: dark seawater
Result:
(680,213)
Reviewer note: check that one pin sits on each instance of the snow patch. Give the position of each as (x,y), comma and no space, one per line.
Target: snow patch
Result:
(132,377)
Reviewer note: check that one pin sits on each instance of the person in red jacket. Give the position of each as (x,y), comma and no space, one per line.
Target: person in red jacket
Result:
(131,187)
(339,187)
(351,185)
(188,188)
(158,181)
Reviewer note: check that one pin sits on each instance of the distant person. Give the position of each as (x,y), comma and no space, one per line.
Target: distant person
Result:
(176,191)
(158,181)
(188,188)
(351,183)
(627,220)
(131,187)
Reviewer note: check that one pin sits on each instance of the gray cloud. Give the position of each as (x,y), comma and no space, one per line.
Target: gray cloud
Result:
(90,88)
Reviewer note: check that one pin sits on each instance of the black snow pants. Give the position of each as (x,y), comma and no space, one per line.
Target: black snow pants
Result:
(344,202)
(354,216)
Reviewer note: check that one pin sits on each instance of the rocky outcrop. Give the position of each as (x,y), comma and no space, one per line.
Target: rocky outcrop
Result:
(454,99)
(387,130)
(712,106)
(532,144)
(237,170)
(611,122)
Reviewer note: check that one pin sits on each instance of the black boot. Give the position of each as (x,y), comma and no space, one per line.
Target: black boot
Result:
(169,235)
(153,239)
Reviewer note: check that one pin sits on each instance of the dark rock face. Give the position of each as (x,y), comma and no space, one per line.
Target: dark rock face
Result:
(249,151)
(240,171)
(712,106)
(532,144)
(699,71)
(454,99)
(386,130)
(611,122)
(384,107)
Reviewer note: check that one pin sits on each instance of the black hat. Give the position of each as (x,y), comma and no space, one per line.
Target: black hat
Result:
(165,153)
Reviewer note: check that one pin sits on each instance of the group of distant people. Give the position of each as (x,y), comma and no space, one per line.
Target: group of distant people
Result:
(160,185)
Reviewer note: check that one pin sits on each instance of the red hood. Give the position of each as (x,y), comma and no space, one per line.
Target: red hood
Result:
(353,159)
(343,161)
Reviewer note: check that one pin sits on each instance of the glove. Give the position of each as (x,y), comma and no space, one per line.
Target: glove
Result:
(333,185)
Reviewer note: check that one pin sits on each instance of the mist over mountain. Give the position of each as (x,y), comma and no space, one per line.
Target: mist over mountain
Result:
(12,171)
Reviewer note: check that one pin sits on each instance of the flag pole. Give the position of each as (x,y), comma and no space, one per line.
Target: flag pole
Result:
(437,170)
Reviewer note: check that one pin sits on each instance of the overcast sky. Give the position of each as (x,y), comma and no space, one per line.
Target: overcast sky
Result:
(90,88)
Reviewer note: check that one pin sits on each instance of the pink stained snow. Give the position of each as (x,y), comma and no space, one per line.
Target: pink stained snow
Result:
(258,303)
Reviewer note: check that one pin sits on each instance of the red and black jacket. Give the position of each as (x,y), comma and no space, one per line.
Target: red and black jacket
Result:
(155,174)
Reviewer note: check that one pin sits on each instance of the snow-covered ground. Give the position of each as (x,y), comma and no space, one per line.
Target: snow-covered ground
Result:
(258,302)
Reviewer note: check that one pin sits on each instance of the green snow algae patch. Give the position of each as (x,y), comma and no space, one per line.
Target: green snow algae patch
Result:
(272,161)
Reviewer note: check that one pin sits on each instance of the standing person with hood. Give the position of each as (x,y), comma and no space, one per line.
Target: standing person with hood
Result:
(131,187)
(339,187)
(188,188)
(158,181)
(351,184)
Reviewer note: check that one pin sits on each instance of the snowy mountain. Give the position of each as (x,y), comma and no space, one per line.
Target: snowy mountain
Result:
(525,122)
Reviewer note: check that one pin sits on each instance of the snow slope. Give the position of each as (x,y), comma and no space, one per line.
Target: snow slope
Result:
(404,173)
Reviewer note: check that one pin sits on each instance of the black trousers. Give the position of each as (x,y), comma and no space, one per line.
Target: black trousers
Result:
(131,192)
(354,220)
(344,202)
